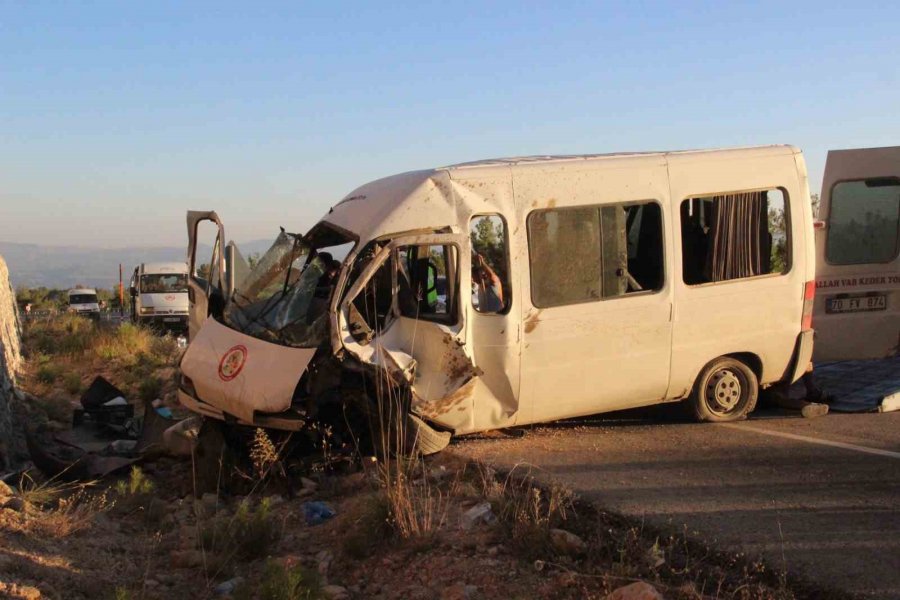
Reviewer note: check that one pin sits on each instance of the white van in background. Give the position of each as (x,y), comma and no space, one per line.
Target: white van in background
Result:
(83,302)
(857,309)
(514,291)
(159,295)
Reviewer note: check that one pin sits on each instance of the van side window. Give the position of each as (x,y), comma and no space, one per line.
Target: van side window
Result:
(491,292)
(735,235)
(864,222)
(426,282)
(591,253)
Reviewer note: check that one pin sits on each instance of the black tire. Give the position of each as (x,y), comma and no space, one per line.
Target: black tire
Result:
(726,390)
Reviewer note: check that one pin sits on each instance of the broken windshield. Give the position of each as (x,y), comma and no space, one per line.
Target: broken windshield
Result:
(284,298)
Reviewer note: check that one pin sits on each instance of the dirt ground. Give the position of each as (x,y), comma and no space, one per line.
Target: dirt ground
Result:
(155,544)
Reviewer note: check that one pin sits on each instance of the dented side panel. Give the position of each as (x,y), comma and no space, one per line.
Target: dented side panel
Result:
(603,355)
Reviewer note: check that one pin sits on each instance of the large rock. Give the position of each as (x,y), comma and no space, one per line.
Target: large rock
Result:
(639,590)
(10,361)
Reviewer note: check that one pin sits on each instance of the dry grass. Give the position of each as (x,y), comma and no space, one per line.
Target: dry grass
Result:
(416,507)
(56,509)
(62,350)
(527,510)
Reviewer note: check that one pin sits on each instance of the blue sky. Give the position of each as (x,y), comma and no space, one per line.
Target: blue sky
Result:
(117,117)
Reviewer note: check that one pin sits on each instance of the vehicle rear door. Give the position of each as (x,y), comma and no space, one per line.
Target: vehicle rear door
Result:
(857,307)
(206,282)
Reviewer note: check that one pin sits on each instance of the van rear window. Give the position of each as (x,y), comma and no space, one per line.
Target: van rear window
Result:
(863,222)
(734,235)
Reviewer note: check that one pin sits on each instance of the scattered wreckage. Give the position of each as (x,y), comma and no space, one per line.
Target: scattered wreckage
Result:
(106,436)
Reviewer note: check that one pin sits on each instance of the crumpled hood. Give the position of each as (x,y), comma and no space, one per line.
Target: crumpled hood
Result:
(239,374)
(174,302)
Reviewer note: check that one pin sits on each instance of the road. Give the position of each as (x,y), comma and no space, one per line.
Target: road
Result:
(820,497)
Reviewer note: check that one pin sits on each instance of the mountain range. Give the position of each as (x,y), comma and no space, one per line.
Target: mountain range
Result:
(35,265)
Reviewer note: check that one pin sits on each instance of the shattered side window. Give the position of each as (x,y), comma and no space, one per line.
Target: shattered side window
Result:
(564,251)
(864,222)
(594,253)
(491,291)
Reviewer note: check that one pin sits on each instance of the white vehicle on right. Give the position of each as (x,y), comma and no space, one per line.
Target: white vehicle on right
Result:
(857,305)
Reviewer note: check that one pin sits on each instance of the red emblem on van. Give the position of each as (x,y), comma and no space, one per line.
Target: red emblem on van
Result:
(232,362)
(170,297)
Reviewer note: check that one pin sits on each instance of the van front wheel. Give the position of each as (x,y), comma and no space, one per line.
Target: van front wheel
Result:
(726,390)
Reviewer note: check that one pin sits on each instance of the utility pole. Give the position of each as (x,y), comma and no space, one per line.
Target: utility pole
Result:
(121,293)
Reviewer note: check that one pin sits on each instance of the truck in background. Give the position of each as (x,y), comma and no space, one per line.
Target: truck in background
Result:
(83,302)
(159,295)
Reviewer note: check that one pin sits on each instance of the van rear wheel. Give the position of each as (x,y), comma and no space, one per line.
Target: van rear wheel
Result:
(726,390)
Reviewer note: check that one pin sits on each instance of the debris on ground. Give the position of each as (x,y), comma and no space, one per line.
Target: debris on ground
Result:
(317,512)
(567,543)
(480,513)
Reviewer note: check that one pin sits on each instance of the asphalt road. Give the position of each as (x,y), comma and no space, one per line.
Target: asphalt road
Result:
(820,497)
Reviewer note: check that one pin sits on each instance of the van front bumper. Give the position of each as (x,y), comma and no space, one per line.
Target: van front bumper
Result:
(286,421)
(179,322)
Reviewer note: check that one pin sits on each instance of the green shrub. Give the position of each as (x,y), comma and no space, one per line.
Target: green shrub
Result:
(282,582)
(137,484)
(247,535)
(48,373)
(72,383)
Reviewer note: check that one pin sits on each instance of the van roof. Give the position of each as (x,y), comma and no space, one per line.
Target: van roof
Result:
(164,267)
(77,291)
(553,158)
(384,206)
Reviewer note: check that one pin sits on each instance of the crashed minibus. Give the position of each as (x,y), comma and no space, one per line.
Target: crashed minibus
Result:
(506,292)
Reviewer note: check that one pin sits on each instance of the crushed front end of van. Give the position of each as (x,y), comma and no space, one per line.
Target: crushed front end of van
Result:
(270,354)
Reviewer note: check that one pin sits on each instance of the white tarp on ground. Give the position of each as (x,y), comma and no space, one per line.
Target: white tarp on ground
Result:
(861,385)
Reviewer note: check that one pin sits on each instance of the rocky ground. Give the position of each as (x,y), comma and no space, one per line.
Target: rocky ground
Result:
(447,529)
(273,527)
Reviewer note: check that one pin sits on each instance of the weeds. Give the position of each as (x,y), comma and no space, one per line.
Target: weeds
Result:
(246,535)
(288,582)
(527,510)
(369,528)
(72,383)
(137,485)
(59,509)
(48,373)
(149,388)
(263,453)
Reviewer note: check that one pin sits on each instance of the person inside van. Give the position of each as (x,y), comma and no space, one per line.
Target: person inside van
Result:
(487,289)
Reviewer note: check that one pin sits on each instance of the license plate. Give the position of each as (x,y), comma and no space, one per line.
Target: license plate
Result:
(171,319)
(856,304)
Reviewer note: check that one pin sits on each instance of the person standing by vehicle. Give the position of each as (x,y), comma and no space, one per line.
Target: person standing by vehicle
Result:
(487,287)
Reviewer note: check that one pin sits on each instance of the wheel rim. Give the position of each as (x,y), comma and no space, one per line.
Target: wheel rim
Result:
(724,391)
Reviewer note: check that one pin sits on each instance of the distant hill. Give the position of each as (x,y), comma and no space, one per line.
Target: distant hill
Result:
(35,265)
